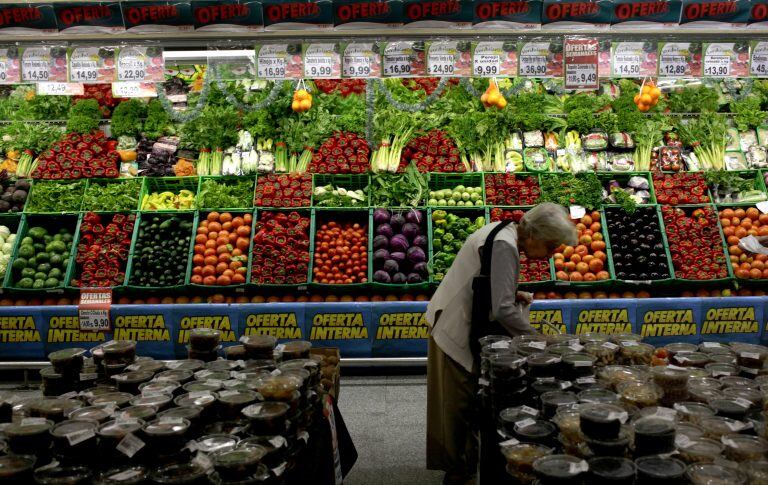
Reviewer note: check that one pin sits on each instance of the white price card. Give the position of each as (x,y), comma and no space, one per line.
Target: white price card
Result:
(449,58)
(758,66)
(680,59)
(140,63)
(134,89)
(578,75)
(93,309)
(634,59)
(10,65)
(60,89)
(322,61)
(440,64)
(361,61)
(269,67)
(403,59)
(540,59)
(36,65)
(717,65)
(626,65)
(92,65)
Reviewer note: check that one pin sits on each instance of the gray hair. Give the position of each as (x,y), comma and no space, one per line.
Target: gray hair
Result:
(548,222)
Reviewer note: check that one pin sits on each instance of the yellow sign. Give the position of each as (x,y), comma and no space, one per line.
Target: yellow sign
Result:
(408,325)
(338,326)
(145,328)
(555,317)
(279,325)
(607,320)
(668,323)
(730,320)
(221,323)
(67,329)
(18,329)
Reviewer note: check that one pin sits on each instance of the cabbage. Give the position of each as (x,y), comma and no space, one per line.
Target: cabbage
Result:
(381,277)
(4,232)
(397,221)
(398,257)
(7,248)
(420,241)
(414,278)
(421,268)
(11,238)
(381,255)
(414,216)
(381,216)
(399,278)
(380,242)
(399,243)
(410,230)
(416,255)
(384,230)
(391,266)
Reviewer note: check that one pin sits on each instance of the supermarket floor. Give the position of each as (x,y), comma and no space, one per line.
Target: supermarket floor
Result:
(386,416)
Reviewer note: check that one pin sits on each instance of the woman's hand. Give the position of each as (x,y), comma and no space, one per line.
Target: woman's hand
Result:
(524,297)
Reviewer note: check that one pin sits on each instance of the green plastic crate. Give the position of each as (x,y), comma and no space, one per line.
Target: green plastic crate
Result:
(739,281)
(400,286)
(662,229)
(759,184)
(201,216)
(655,191)
(263,179)
(608,267)
(53,223)
(77,185)
(15,222)
(74,269)
(519,175)
(346,181)
(311,233)
(191,216)
(379,179)
(623,178)
(225,180)
(96,184)
(322,216)
(717,281)
(169,184)
(440,181)
(468,212)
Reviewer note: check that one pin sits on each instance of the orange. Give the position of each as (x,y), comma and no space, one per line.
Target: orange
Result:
(726,213)
(198,259)
(212,216)
(595,266)
(581,249)
(725,222)
(225,217)
(740,232)
(576,276)
(755,273)
(576,258)
(586,220)
(742,274)
(733,241)
(753,213)
(582,268)
(589,277)
(740,213)
(603,275)
(561,275)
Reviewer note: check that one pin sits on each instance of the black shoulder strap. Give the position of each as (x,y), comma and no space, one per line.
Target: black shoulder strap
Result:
(485,267)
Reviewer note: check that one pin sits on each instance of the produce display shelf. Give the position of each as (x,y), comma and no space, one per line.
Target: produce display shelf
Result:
(759,184)
(405,287)
(226,180)
(740,282)
(170,184)
(310,234)
(440,181)
(71,211)
(608,267)
(346,181)
(363,216)
(97,182)
(470,212)
(623,177)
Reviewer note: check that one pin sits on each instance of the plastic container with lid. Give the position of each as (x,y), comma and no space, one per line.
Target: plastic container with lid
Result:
(205,400)
(552,400)
(146,413)
(609,447)
(276,448)
(601,421)
(55,409)
(659,470)
(729,358)
(112,433)
(506,367)
(204,339)
(119,352)
(636,353)
(54,383)
(719,369)
(96,414)
(123,475)
(654,436)
(594,396)
(535,431)
(704,383)
(267,418)
(67,361)
(594,337)
(543,365)
(63,475)
(176,376)
(736,381)
(640,394)
(278,387)
(189,473)
(235,352)
(232,402)
(520,459)
(568,421)
(716,426)
(222,365)
(714,474)
(714,348)
(530,344)
(739,447)
(203,355)
(754,396)
(237,464)
(703,394)
(129,381)
(750,355)
(757,471)
(669,378)
(118,399)
(698,450)
(605,352)
(29,436)
(680,348)
(196,386)
(693,411)
(191,413)
(259,346)
(16,469)
(690,431)
(625,339)
(690,359)
(613,470)
(165,436)
(560,469)
(158,401)
(75,439)
(214,443)
(578,364)
(509,416)
(296,349)
(614,375)
(730,407)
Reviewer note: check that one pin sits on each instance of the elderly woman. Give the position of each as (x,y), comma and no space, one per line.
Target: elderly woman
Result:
(457,305)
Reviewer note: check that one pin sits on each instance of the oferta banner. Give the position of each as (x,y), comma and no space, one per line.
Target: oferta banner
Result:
(400,329)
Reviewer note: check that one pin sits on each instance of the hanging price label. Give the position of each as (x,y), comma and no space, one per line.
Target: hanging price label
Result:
(676,59)
(491,59)
(140,63)
(440,64)
(626,65)
(131,68)
(396,65)
(539,59)
(361,61)
(134,90)
(634,59)
(758,66)
(36,64)
(533,66)
(91,65)
(445,60)
(673,66)
(717,66)
(486,65)
(60,89)
(322,61)
(270,68)
(403,59)
(581,58)
(580,76)
(10,71)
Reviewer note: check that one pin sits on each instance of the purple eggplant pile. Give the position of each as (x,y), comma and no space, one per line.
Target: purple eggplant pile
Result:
(399,247)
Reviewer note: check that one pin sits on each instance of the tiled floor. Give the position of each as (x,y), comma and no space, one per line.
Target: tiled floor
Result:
(387,419)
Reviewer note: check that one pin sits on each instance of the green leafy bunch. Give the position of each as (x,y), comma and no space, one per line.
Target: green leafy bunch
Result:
(567,189)
(84,117)
(158,123)
(127,118)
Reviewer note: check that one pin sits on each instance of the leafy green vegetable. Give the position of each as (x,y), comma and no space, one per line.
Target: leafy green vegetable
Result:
(225,194)
(84,117)
(126,119)
(708,136)
(112,196)
(158,123)
(694,99)
(747,113)
(28,136)
(585,101)
(624,200)
(50,196)
(216,127)
(399,190)
(581,120)
(566,189)
(729,181)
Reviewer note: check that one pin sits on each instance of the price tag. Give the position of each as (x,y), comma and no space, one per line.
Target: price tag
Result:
(91,65)
(277,442)
(403,59)
(540,59)
(202,460)
(80,436)
(676,59)
(33,421)
(745,403)
(581,58)
(717,65)
(140,63)
(36,65)
(682,441)
(93,310)
(666,413)
(361,61)
(673,66)
(577,211)
(538,345)
(486,65)
(582,363)
(322,61)
(483,382)
(89,376)
(529,410)
(610,346)
(124,475)
(758,66)
(580,467)
(440,65)
(762,206)
(279,61)
(509,442)
(280,469)
(634,59)
(445,59)
(270,68)
(60,89)
(586,380)
(10,71)
(711,345)
(523,423)
(626,65)
(133,89)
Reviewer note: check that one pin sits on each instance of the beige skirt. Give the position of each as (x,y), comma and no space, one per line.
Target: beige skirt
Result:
(451,444)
